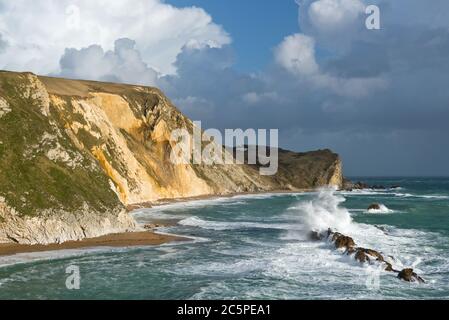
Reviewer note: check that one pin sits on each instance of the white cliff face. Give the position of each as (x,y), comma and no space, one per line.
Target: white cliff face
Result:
(76,153)
(137,169)
(4,107)
(59,226)
(334,175)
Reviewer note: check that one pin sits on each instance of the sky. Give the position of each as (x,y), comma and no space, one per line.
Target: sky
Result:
(309,68)
(255,26)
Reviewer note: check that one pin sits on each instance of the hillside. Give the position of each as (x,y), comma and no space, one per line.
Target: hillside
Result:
(74,154)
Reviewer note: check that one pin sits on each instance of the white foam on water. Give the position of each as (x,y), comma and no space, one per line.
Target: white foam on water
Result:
(175,210)
(221,225)
(383,209)
(306,262)
(363,192)
(436,196)
(31,257)
(390,192)
(322,212)
(170,210)
(292,261)
(23,258)
(326,211)
(269,195)
(409,247)
(164,210)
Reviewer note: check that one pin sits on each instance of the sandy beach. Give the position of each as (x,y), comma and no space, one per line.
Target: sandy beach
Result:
(132,239)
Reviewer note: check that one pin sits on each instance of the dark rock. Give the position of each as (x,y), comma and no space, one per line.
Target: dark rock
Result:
(342,241)
(365,255)
(361,256)
(361,185)
(350,186)
(410,276)
(389,267)
(374,206)
(316,236)
(151,226)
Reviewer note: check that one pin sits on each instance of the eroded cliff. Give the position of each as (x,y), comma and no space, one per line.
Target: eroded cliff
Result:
(73,154)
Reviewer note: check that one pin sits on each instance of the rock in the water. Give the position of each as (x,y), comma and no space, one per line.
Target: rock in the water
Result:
(351,186)
(410,276)
(389,267)
(151,226)
(374,206)
(342,241)
(365,255)
(315,236)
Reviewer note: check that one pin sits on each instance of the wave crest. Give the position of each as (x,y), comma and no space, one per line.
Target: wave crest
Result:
(324,212)
(382,209)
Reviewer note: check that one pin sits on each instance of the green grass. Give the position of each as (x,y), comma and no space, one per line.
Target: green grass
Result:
(34,183)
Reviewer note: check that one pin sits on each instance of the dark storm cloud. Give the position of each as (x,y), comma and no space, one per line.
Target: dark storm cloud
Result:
(399,128)
(415,98)
(364,60)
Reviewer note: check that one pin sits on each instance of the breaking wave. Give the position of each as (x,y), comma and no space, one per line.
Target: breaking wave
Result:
(323,212)
(382,209)
(221,226)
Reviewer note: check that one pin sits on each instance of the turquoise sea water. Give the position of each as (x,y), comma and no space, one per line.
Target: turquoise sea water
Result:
(256,247)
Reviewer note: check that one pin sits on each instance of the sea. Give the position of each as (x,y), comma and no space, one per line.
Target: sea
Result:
(258,247)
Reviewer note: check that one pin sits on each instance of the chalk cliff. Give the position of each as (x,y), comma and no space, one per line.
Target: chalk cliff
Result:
(74,154)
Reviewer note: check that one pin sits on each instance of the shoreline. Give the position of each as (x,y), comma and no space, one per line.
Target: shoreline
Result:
(129,239)
(162,202)
(118,240)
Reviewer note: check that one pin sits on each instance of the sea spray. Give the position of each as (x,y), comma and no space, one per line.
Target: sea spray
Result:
(323,212)
(382,209)
(256,263)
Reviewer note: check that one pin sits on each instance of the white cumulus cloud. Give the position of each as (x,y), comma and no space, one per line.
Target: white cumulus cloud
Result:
(123,64)
(297,54)
(335,15)
(38,32)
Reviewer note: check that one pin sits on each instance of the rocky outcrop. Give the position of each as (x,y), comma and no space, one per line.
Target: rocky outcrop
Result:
(74,154)
(348,185)
(410,276)
(58,226)
(374,206)
(300,171)
(363,255)
(342,242)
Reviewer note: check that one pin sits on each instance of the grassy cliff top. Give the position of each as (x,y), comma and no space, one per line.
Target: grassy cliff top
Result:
(40,168)
(66,143)
(74,87)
